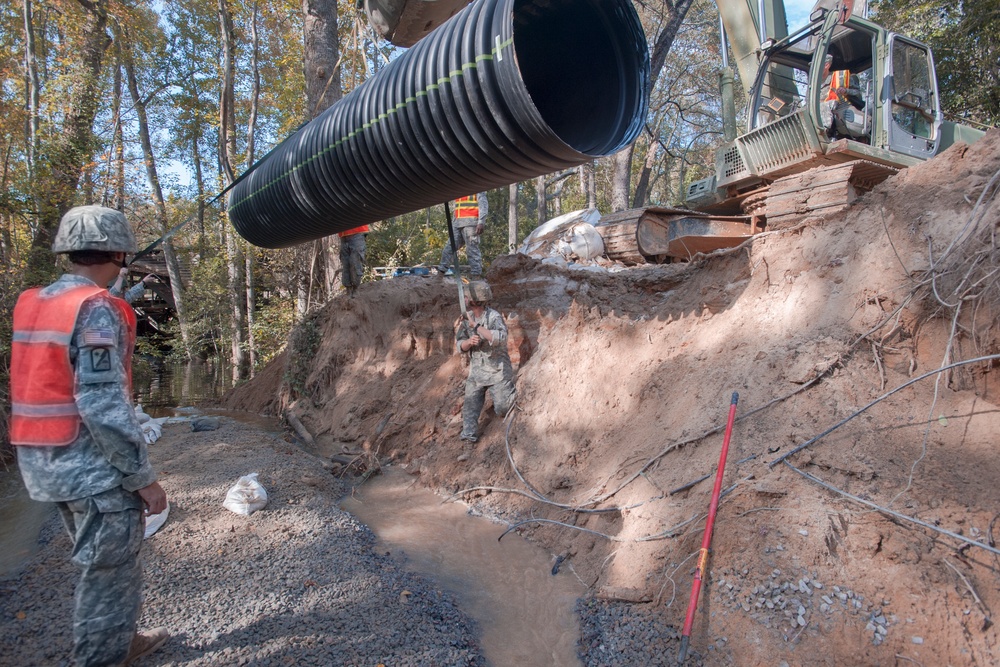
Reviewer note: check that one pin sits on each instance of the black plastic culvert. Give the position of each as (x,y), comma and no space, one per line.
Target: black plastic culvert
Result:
(505,91)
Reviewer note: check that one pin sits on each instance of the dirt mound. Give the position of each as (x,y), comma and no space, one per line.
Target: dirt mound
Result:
(624,383)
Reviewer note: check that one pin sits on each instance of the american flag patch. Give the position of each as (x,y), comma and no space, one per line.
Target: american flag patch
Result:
(98,337)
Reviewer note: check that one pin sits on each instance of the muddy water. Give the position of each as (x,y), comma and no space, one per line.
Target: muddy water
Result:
(182,384)
(525,614)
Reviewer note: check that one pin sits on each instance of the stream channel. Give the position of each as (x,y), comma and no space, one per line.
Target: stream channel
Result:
(525,613)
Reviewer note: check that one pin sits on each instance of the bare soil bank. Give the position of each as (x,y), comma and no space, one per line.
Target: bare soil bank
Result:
(624,383)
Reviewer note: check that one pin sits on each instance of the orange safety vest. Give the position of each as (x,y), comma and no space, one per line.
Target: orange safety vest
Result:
(43,409)
(363,229)
(467,207)
(839,79)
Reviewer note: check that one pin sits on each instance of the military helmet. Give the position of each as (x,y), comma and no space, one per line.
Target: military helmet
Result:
(479,291)
(94,228)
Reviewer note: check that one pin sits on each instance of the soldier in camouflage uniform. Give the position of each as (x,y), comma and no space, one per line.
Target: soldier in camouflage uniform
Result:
(468,225)
(483,336)
(78,442)
(131,294)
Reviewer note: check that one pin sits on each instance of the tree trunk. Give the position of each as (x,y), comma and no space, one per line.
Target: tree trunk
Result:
(326,250)
(199,179)
(251,302)
(251,320)
(673,16)
(323,88)
(512,219)
(642,186)
(255,91)
(238,304)
(540,210)
(322,55)
(588,184)
(114,190)
(173,266)
(227,113)
(235,261)
(6,246)
(621,177)
(34,87)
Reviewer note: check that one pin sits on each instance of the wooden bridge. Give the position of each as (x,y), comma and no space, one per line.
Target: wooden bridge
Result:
(156,306)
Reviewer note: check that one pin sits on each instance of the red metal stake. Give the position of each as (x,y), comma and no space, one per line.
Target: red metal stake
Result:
(706,541)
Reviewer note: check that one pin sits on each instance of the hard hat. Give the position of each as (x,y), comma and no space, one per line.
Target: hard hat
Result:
(479,291)
(94,228)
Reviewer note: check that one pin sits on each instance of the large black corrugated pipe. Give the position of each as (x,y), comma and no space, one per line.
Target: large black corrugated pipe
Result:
(504,91)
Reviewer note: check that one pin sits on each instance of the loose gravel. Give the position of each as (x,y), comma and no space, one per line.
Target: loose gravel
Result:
(300,582)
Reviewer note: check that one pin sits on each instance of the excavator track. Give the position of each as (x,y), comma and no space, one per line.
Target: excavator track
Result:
(656,234)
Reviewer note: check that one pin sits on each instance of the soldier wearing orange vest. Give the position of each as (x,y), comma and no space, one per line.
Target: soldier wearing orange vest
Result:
(352,257)
(840,96)
(77,439)
(468,222)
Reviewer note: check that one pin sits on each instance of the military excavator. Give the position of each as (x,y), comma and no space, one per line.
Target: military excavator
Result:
(812,143)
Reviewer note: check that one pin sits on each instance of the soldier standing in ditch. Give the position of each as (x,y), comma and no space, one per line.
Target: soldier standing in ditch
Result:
(78,442)
(483,336)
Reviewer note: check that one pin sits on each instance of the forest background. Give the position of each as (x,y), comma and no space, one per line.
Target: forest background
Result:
(154,108)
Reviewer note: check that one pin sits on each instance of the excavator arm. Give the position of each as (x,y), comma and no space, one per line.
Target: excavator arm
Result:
(746,33)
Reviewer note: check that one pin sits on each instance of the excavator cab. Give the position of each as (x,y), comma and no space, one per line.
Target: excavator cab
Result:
(831,79)
(857,82)
(841,89)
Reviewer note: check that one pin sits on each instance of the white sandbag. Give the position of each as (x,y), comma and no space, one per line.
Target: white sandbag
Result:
(543,240)
(140,414)
(582,241)
(246,496)
(155,521)
(151,431)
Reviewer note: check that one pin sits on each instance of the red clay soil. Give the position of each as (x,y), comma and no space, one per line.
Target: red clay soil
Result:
(624,381)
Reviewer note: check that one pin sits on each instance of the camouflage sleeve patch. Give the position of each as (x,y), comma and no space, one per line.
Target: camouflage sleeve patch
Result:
(98,337)
(100,359)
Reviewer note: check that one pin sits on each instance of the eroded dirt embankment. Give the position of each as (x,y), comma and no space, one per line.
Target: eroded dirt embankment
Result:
(624,381)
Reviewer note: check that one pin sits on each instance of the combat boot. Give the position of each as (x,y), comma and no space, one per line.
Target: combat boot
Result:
(144,643)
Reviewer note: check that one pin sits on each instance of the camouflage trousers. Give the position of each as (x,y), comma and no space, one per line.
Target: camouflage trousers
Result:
(352,259)
(465,236)
(107,532)
(475,397)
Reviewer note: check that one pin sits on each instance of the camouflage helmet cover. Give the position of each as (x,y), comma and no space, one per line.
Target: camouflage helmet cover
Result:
(94,228)
(479,291)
